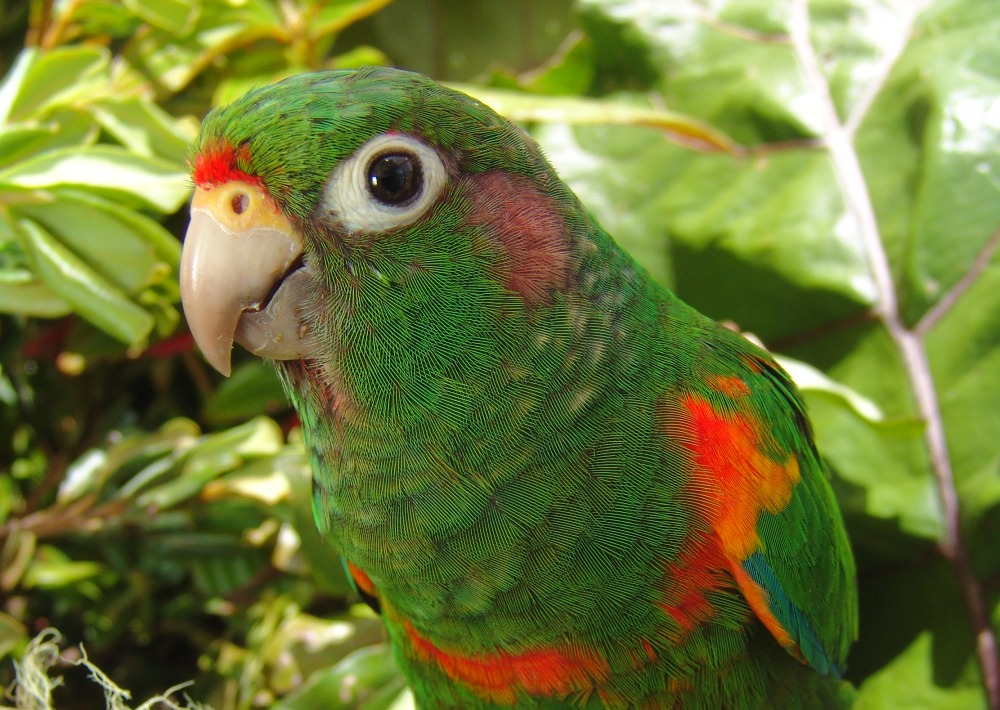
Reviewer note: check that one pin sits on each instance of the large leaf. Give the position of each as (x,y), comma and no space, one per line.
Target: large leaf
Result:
(175,16)
(862,214)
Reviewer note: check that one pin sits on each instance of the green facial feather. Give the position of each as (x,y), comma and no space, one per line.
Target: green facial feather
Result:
(565,486)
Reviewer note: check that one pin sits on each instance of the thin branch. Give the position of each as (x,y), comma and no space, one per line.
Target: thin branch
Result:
(821,331)
(57,31)
(838,138)
(946,302)
(710,19)
(892,46)
(81,515)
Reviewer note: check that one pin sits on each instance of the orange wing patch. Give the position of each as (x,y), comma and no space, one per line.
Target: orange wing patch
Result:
(732,471)
(699,569)
(757,598)
(733,480)
(729,385)
(495,676)
(361,579)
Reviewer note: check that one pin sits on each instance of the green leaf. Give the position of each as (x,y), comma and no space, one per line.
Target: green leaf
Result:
(13,635)
(124,247)
(22,293)
(212,456)
(143,128)
(13,82)
(173,62)
(17,142)
(83,475)
(322,557)
(811,380)
(107,170)
(459,40)
(73,280)
(928,151)
(52,569)
(772,227)
(925,656)
(101,18)
(55,78)
(964,350)
(175,16)
(367,679)
(907,682)
(338,15)
(253,388)
(225,568)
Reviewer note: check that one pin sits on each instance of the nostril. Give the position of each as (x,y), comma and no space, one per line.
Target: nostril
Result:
(240,203)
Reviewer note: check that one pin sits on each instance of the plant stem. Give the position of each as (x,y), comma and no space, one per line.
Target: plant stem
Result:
(838,138)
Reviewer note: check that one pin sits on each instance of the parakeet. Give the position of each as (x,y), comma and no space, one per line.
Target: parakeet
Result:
(563,486)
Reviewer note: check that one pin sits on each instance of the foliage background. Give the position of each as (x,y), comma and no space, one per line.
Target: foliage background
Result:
(824,174)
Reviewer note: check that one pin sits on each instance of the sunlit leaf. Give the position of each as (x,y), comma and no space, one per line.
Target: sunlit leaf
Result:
(143,128)
(368,679)
(56,78)
(123,246)
(581,111)
(108,170)
(100,302)
(339,14)
(17,142)
(22,293)
(811,380)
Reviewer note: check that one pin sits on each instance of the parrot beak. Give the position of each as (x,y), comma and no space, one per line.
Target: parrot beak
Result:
(242,276)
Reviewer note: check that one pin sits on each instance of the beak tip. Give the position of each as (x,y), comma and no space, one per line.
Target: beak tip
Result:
(221,359)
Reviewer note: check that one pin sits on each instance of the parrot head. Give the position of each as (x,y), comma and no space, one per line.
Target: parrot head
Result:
(327,187)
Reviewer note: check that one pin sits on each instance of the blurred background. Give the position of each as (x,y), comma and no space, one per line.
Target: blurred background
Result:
(823,174)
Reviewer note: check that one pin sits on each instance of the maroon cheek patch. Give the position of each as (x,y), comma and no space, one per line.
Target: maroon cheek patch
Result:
(528,227)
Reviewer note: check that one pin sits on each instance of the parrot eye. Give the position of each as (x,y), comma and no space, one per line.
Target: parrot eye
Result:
(394,178)
(388,183)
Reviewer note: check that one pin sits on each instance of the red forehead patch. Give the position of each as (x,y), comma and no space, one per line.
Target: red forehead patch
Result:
(220,163)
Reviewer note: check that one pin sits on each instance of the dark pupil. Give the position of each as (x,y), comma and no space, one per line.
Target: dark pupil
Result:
(394,178)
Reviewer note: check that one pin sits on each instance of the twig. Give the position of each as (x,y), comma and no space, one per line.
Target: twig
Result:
(949,299)
(839,141)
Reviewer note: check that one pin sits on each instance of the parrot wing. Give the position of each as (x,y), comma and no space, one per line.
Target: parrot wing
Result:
(761,484)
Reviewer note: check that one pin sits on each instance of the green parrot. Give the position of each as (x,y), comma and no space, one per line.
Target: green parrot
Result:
(563,486)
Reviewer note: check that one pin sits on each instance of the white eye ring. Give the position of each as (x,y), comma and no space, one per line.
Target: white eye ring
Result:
(348,196)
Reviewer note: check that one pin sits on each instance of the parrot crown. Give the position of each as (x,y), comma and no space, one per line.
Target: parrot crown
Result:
(270,137)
